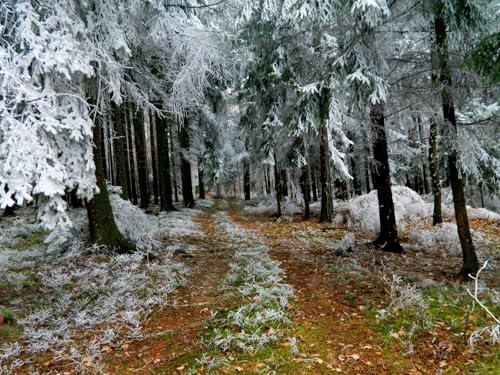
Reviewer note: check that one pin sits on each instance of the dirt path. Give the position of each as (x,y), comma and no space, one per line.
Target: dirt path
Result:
(172,334)
(328,328)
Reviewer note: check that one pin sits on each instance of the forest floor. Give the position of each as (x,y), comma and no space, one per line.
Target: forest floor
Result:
(268,295)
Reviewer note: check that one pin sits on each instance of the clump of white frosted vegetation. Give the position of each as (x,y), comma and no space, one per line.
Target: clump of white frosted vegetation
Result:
(345,245)
(258,280)
(403,295)
(491,333)
(131,221)
(179,223)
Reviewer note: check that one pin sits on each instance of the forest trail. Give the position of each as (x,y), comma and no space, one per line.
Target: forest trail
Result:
(330,324)
(259,295)
(172,333)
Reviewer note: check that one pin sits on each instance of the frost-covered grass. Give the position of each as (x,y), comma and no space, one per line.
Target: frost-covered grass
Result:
(268,206)
(72,301)
(89,302)
(416,314)
(179,223)
(256,281)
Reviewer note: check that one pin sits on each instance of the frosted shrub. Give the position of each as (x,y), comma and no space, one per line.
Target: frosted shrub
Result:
(346,244)
(131,221)
(408,205)
(403,295)
(443,236)
(205,203)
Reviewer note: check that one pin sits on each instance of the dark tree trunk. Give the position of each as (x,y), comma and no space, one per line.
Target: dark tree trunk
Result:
(140,145)
(102,226)
(437,217)
(131,152)
(187,186)
(325,170)
(246,179)
(120,151)
(305,186)
(174,170)
(367,173)
(388,239)
(356,183)
(154,158)
(482,196)
(277,183)
(162,131)
(201,183)
(284,183)
(314,186)
(425,180)
(470,262)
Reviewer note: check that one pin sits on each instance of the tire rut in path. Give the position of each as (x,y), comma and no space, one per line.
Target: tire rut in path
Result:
(326,327)
(171,334)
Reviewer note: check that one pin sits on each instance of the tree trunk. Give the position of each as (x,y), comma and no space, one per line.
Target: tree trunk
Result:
(140,145)
(201,183)
(246,179)
(174,170)
(162,131)
(277,183)
(437,217)
(154,157)
(388,237)
(187,186)
(470,262)
(305,186)
(284,183)
(132,156)
(314,186)
(120,151)
(325,170)
(102,226)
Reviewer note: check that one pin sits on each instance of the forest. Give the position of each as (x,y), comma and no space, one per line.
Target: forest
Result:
(254,187)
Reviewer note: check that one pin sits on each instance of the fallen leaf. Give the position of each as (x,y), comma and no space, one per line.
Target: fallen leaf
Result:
(355,356)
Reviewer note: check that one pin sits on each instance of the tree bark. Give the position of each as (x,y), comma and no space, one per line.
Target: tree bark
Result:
(305,186)
(277,183)
(314,186)
(284,183)
(388,238)
(326,214)
(470,262)
(187,185)
(246,179)
(132,155)
(162,131)
(437,217)
(201,183)
(102,226)
(120,151)
(140,145)
(174,170)
(154,158)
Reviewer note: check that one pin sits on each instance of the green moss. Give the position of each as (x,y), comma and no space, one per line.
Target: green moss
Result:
(10,331)
(7,315)
(30,284)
